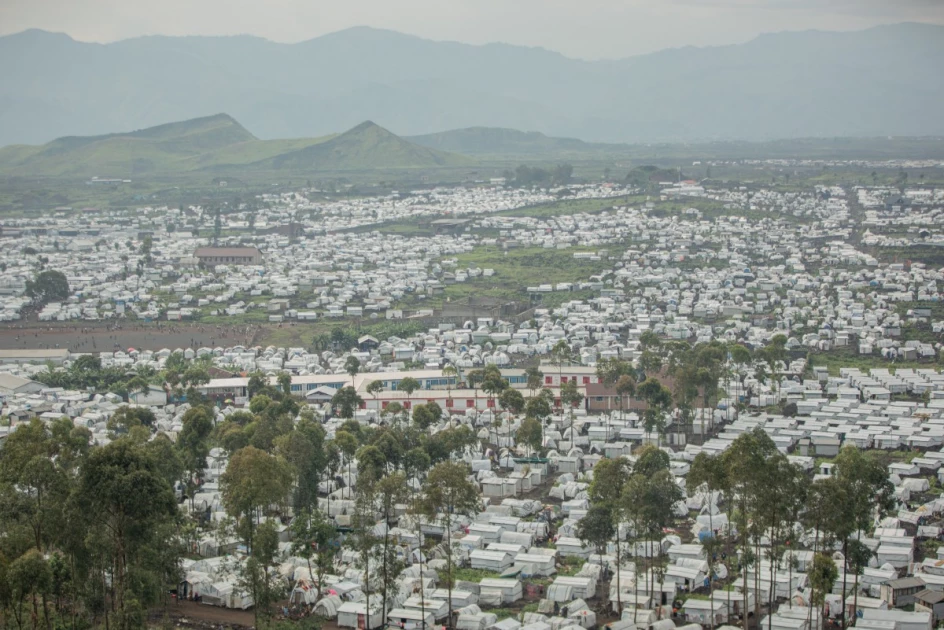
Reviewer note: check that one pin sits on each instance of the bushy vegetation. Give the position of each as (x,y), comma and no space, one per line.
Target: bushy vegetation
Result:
(87,373)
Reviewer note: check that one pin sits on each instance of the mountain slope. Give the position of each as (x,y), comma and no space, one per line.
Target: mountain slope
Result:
(495,141)
(366,146)
(878,82)
(169,147)
(217,143)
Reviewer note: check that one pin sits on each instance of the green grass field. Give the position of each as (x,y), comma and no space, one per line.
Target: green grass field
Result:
(836,360)
(518,269)
(572,206)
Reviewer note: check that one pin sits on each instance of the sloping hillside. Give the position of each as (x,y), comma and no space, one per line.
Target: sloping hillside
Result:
(366,146)
(218,143)
(497,141)
(171,147)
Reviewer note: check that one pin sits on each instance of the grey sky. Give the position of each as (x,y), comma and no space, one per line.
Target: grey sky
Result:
(577,28)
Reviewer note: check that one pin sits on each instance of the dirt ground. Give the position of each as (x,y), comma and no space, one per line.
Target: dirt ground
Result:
(102,337)
(193,615)
(187,614)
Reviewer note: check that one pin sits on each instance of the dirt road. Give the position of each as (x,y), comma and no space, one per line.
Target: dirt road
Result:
(102,338)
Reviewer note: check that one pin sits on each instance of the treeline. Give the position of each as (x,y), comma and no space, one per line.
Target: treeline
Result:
(525,176)
(772,509)
(180,375)
(699,375)
(91,535)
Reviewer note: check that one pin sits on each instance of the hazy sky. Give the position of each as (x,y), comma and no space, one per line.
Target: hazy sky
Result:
(577,28)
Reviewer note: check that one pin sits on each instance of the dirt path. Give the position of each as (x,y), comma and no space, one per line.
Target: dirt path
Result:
(101,338)
(190,614)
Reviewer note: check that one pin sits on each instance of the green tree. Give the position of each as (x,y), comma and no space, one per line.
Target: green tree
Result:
(284,380)
(416,463)
(596,528)
(650,360)
(352,365)
(777,508)
(658,404)
(314,535)
(648,501)
(252,481)
(194,447)
(741,357)
(450,373)
(424,417)
(571,398)
(304,449)
(535,378)
(127,501)
(408,385)
(391,491)
(346,401)
(650,460)
(562,355)
(539,406)
(774,354)
(511,401)
(474,379)
(606,490)
(493,384)
(362,539)
(870,494)
(708,472)
(822,576)
(609,371)
(164,455)
(374,388)
(28,578)
(348,445)
(48,286)
(26,462)
(257,571)
(857,559)
(87,363)
(371,463)
(709,362)
(257,382)
(744,462)
(530,433)
(448,492)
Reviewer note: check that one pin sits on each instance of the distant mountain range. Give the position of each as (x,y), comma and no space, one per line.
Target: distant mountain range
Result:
(878,82)
(219,143)
(496,141)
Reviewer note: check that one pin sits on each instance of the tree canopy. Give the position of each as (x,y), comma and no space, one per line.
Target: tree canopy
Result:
(48,286)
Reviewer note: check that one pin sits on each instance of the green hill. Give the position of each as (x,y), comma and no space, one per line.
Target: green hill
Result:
(172,147)
(366,146)
(245,153)
(217,143)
